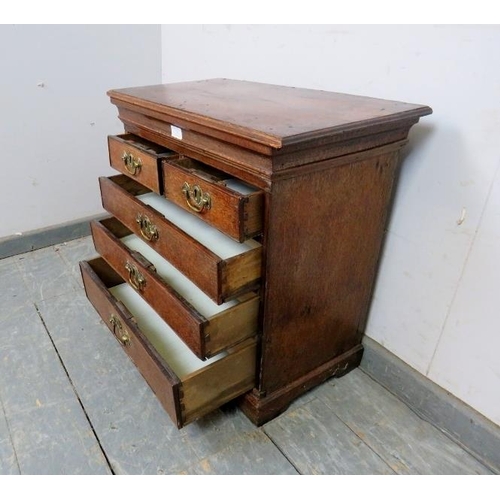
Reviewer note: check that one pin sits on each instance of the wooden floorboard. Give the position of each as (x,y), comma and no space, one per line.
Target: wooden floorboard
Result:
(253,453)
(47,425)
(45,274)
(56,439)
(72,402)
(31,373)
(73,252)
(477,434)
(405,441)
(13,292)
(314,439)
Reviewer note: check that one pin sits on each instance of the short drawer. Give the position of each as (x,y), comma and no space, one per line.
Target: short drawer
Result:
(138,158)
(221,267)
(187,387)
(233,207)
(207,328)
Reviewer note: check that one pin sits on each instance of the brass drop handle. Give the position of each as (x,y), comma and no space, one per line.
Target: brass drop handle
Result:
(148,230)
(196,199)
(132,164)
(135,277)
(120,333)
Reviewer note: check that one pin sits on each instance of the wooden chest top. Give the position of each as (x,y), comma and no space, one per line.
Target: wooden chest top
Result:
(271,115)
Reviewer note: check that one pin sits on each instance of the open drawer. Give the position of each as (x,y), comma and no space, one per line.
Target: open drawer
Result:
(138,158)
(221,267)
(207,328)
(230,205)
(187,387)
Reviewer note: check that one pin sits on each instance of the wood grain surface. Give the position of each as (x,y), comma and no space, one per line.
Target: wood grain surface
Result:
(272,115)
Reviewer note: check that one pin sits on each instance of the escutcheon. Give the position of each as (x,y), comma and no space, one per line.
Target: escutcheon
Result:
(196,199)
(120,333)
(148,230)
(132,164)
(135,277)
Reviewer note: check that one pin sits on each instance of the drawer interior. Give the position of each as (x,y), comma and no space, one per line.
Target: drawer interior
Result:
(212,175)
(142,144)
(169,346)
(212,238)
(185,287)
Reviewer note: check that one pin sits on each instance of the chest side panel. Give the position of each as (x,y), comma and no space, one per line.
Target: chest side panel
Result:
(324,235)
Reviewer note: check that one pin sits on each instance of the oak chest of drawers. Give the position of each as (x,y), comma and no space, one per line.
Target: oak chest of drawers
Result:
(246,225)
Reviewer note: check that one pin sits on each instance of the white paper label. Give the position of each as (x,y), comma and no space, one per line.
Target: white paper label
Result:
(176,132)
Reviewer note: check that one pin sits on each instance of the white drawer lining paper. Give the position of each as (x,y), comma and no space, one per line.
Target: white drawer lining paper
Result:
(169,346)
(199,300)
(239,186)
(212,238)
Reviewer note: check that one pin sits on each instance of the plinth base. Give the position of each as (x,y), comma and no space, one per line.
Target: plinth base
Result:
(260,409)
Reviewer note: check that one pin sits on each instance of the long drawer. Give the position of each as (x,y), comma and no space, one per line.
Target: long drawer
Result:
(221,267)
(187,387)
(207,328)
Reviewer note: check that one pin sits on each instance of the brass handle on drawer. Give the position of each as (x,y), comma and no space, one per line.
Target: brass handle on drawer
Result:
(120,333)
(196,199)
(148,230)
(132,164)
(135,277)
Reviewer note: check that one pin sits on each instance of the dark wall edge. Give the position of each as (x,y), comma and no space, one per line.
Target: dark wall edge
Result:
(474,432)
(40,238)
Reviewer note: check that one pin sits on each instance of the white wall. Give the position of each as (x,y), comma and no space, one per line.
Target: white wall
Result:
(436,303)
(55,115)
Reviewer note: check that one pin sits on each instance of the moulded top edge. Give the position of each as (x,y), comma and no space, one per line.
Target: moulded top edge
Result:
(270,115)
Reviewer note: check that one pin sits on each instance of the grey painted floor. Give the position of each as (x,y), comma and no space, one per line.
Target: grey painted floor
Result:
(71,402)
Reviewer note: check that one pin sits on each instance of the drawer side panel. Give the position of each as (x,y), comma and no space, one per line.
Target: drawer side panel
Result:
(232,376)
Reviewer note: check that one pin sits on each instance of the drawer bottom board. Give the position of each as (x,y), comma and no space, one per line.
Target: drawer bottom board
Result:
(166,342)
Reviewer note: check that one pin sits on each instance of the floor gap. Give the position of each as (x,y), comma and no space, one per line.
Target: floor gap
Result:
(281,451)
(74,390)
(10,436)
(368,445)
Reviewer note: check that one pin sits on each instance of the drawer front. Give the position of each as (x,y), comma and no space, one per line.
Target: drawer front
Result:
(222,279)
(186,397)
(138,158)
(162,287)
(232,207)
(97,277)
